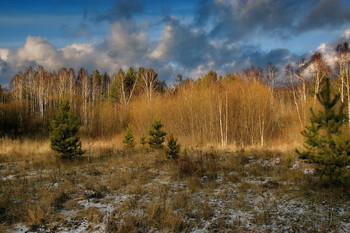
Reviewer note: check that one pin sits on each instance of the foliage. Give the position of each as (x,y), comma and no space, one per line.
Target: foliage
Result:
(325,143)
(128,139)
(124,86)
(143,140)
(63,133)
(34,95)
(173,148)
(160,86)
(130,79)
(157,135)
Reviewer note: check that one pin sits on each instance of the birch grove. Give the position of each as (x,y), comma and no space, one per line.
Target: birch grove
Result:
(239,109)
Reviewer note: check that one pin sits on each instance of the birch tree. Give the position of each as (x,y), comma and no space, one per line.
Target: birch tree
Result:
(321,70)
(342,65)
(302,77)
(96,86)
(270,78)
(223,120)
(271,75)
(290,74)
(149,79)
(85,83)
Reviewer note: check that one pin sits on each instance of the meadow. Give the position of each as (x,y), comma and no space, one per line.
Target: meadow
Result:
(140,190)
(238,170)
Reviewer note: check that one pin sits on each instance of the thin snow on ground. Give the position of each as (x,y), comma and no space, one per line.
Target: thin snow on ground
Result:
(233,205)
(20,229)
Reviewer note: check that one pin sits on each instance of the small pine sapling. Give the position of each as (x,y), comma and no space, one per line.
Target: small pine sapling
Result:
(63,133)
(128,139)
(157,135)
(173,148)
(143,140)
(325,142)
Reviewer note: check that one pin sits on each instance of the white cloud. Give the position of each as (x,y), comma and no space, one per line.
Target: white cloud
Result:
(164,44)
(38,50)
(181,48)
(4,54)
(125,46)
(329,49)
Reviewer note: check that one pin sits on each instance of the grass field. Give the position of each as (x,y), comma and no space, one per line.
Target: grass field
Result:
(140,190)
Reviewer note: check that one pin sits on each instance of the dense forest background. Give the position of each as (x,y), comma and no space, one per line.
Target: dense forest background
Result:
(246,108)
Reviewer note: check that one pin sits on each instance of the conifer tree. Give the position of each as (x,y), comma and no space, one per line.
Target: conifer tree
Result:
(157,135)
(63,133)
(173,148)
(128,139)
(326,145)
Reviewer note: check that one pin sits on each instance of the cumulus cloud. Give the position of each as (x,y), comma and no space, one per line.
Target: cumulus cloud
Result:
(281,18)
(328,52)
(326,14)
(180,49)
(329,49)
(120,49)
(4,69)
(239,18)
(126,44)
(36,50)
(193,53)
(4,54)
(215,40)
(182,45)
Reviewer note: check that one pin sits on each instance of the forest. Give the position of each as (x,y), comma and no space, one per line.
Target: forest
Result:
(256,106)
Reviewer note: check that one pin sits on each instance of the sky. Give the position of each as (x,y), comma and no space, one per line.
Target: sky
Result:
(172,37)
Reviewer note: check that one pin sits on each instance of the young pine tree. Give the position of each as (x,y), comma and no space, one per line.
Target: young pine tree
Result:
(326,145)
(128,139)
(63,133)
(143,140)
(157,135)
(173,148)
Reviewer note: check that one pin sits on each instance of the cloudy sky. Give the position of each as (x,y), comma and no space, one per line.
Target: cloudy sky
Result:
(186,37)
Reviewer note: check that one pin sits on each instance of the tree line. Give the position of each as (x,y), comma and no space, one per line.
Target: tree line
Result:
(35,94)
(239,108)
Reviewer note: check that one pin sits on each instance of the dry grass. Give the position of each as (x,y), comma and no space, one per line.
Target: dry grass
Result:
(110,190)
(24,150)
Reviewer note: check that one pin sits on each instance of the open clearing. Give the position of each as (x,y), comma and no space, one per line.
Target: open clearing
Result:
(142,191)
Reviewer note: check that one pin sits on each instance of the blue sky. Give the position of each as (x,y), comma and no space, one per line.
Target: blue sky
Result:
(69,21)
(187,37)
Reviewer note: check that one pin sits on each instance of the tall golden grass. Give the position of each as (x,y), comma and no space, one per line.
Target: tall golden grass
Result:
(227,113)
(244,113)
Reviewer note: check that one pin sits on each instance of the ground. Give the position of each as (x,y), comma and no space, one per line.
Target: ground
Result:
(142,191)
